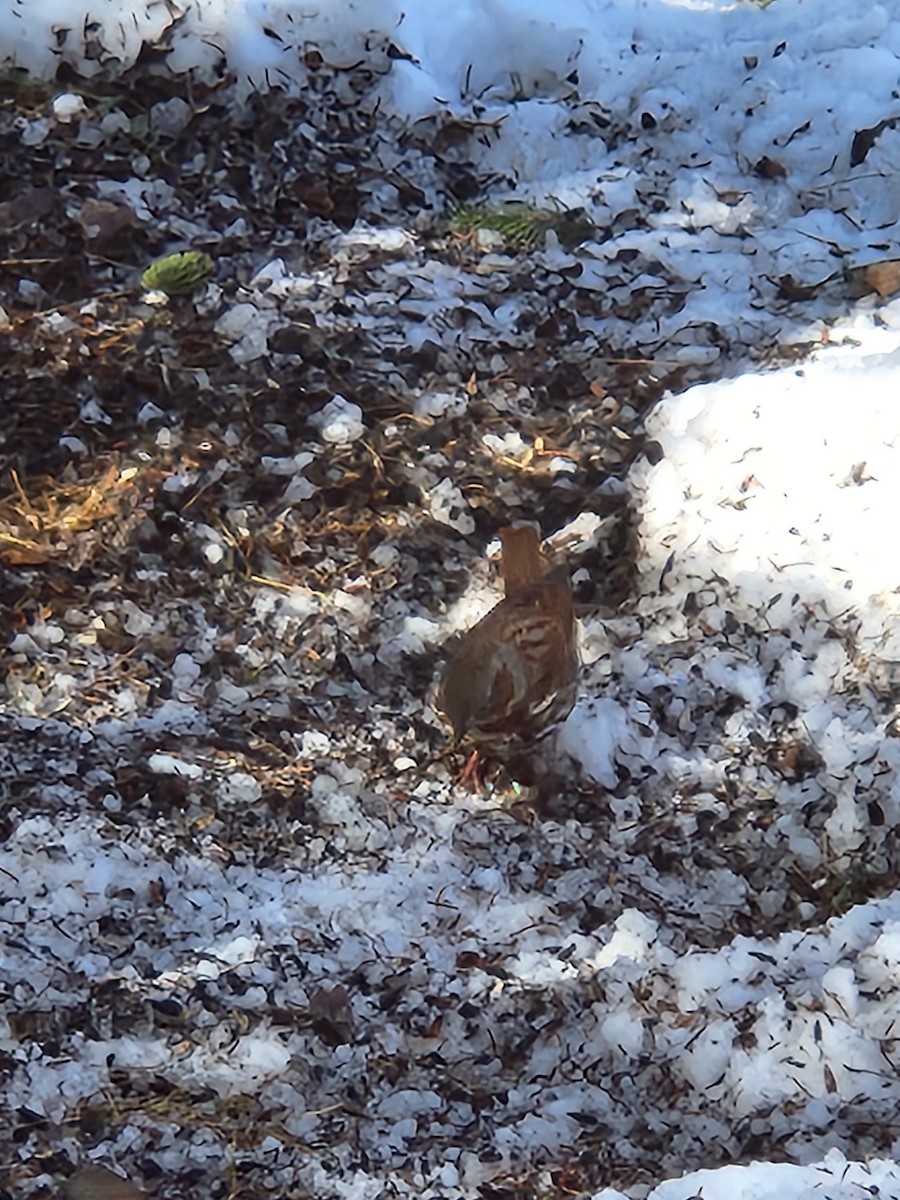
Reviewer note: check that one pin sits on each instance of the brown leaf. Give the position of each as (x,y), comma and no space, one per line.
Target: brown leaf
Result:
(770,168)
(790,289)
(883,277)
(104,221)
(332,1016)
(470,960)
(317,198)
(434,1029)
(97,1183)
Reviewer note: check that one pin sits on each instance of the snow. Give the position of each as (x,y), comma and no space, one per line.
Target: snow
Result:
(771,510)
(831,1177)
(339,422)
(68,106)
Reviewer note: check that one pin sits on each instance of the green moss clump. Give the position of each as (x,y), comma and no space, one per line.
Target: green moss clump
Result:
(523,226)
(178,274)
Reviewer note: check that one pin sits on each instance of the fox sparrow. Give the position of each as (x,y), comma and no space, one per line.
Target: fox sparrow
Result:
(513,676)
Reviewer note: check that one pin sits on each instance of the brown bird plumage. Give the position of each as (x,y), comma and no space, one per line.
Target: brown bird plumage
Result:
(513,675)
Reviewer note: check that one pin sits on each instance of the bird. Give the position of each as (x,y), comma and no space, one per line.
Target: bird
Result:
(513,676)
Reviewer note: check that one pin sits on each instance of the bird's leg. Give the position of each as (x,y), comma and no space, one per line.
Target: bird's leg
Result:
(471,775)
